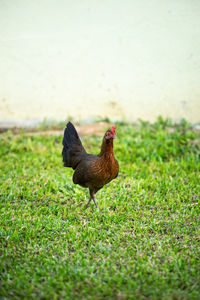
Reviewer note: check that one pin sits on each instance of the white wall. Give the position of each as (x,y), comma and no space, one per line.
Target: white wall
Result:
(85,58)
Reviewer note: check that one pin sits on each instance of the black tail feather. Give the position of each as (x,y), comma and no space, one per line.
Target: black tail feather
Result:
(72,147)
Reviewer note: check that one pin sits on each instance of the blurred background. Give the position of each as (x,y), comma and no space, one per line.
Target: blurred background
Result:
(87,60)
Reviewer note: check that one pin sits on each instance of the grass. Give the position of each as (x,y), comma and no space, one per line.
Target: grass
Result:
(144,243)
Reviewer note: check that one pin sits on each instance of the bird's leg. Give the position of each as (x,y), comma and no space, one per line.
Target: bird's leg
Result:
(92,198)
(95,202)
(88,202)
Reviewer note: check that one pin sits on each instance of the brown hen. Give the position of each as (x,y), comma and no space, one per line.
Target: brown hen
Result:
(91,171)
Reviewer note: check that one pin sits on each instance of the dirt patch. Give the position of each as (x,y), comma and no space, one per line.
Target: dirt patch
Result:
(93,129)
(96,129)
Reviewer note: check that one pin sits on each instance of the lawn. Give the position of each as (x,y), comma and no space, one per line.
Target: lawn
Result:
(143,243)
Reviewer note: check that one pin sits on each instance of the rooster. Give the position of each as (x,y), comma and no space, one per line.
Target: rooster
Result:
(90,171)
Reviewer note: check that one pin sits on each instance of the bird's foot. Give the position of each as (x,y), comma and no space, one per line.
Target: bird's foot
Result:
(95,203)
(88,203)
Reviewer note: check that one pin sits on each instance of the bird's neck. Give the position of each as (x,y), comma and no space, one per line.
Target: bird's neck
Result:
(106,147)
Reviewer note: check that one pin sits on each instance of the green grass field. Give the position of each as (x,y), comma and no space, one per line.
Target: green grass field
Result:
(143,243)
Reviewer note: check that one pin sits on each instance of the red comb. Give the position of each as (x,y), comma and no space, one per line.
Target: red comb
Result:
(113,130)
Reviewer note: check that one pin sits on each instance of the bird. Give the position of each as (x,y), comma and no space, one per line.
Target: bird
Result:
(90,171)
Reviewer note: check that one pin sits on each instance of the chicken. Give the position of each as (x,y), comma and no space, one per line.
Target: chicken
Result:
(90,171)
